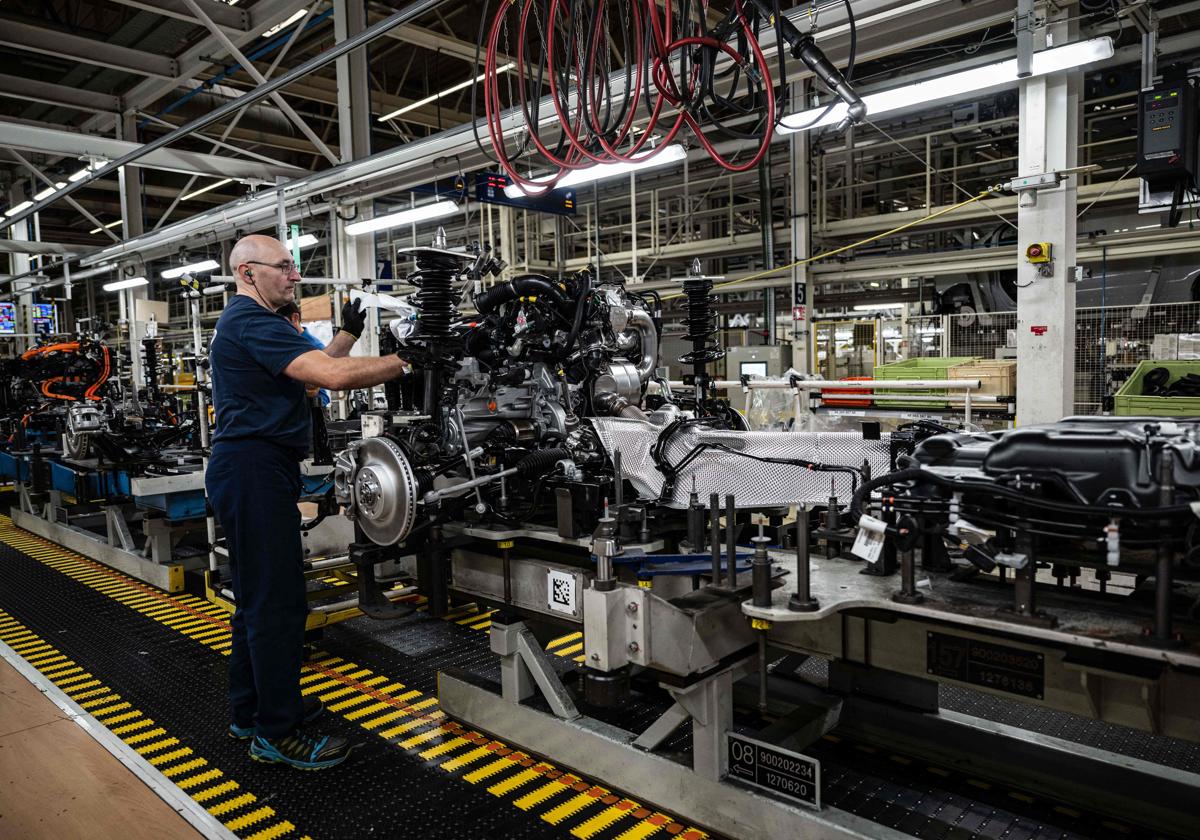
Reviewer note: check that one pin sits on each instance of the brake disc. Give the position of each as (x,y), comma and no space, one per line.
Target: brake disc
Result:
(376,481)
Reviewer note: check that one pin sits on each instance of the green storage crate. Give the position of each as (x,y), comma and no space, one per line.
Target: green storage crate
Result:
(925,367)
(1129,401)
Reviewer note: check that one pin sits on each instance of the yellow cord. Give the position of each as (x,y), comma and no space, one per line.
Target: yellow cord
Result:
(837,251)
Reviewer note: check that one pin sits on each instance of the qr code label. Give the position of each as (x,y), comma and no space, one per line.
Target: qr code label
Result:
(560,592)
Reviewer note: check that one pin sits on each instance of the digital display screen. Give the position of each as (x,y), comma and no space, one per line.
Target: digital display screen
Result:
(754,369)
(44,318)
(8,318)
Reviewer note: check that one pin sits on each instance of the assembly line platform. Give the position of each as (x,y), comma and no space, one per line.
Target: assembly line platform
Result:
(148,667)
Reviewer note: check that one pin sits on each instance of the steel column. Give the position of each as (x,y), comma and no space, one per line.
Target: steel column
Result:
(1046,305)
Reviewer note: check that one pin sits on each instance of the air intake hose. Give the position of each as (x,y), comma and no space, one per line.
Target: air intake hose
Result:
(527,285)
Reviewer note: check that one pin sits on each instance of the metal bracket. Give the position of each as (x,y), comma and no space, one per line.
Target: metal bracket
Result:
(118,529)
(524,666)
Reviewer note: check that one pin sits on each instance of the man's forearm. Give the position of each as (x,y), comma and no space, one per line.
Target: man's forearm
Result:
(341,345)
(363,372)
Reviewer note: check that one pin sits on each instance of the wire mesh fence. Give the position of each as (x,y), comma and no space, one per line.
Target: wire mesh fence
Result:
(1110,342)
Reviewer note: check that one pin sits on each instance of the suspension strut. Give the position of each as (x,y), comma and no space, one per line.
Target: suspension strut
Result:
(701,323)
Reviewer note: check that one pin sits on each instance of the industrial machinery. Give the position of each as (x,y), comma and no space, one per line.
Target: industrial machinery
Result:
(533,461)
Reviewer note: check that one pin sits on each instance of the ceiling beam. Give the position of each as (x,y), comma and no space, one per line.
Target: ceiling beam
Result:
(191,62)
(36,138)
(25,36)
(249,135)
(17,246)
(34,90)
(225,16)
(323,90)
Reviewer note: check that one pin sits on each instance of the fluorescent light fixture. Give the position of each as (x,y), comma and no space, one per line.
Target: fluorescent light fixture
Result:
(306,240)
(211,186)
(405,217)
(436,96)
(871,307)
(128,283)
(299,13)
(669,154)
(12,211)
(49,191)
(87,170)
(109,225)
(957,85)
(194,268)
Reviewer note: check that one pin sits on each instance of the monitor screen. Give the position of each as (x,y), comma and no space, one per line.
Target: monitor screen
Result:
(754,369)
(8,318)
(44,318)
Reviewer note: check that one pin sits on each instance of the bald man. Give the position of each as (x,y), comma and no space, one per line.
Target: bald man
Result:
(260,366)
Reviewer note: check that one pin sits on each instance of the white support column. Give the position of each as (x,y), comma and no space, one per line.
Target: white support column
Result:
(1049,141)
(129,185)
(354,255)
(801,231)
(19,264)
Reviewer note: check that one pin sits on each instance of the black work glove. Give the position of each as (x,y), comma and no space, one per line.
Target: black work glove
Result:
(354,318)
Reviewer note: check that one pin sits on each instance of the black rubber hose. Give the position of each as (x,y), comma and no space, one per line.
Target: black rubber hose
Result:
(541,462)
(864,490)
(523,286)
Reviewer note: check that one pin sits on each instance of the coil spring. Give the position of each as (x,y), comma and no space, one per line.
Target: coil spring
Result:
(701,323)
(437,298)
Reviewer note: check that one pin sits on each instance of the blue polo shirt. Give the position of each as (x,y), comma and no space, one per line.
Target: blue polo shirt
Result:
(252,396)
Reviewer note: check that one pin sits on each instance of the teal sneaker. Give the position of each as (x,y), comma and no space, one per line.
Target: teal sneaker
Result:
(313,708)
(301,750)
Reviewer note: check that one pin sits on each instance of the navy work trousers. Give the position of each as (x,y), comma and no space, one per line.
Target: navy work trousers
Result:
(254,487)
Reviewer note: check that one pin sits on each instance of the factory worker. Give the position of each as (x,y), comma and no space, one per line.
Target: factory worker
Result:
(260,366)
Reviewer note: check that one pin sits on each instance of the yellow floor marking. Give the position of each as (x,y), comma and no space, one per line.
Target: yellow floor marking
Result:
(424,737)
(174,755)
(443,748)
(232,804)
(365,711)
(562,640)
(277,830)
(475,618)
(201,778)
(336,693)
(380,721)
(108,697)
(540,795)
(76,694)
(645,828)
(183,768)
(130,727)
(596,824)
(319,687)
(119,718)
(156,746)
(100,714)
(573,805)
(250,819)
(157,732)
(568,651)
(489,770)
(464,759)
(508,785)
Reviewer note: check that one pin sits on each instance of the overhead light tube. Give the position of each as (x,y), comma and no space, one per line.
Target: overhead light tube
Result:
(194,268)
(203,190)
(306,240)
(423,213)
(434,97)
(128,283)
(668,155)
(957,85)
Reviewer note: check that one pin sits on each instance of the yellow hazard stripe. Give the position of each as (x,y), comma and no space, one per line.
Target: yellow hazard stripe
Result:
(374,702)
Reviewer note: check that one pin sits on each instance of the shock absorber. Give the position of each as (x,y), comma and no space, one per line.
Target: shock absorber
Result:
(701,324)
(437,302)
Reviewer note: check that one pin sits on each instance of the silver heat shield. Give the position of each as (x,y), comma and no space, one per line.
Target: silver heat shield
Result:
(753,483)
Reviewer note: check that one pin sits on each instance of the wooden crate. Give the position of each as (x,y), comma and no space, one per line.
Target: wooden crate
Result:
(997,378)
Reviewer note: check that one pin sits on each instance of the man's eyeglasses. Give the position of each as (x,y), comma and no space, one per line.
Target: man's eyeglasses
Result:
(287,266)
